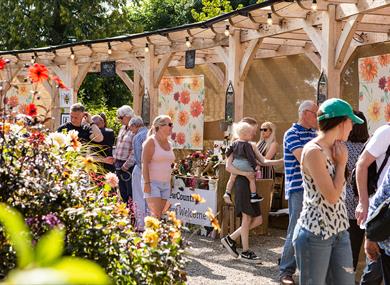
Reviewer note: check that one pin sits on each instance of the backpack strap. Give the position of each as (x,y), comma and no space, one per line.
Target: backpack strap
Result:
(384,161)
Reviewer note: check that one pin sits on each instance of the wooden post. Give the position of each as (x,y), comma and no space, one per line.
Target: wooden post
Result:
(137,96)
(233,73)
(330,29)
(149,67)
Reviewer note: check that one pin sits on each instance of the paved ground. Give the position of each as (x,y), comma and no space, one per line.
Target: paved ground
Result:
(210,264)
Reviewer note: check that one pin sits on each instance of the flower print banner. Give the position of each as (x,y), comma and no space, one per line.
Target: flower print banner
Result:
(181,98)
(374,88)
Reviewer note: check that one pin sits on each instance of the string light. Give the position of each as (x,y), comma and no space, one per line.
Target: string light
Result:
(146,47)
(71,54)
(314,5)
(188,42)
(269,19)
(227,32)
(109,51)
(32,59)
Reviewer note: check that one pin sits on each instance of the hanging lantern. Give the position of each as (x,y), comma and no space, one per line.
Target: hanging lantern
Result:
(229,104)
(145,112)
(322,89)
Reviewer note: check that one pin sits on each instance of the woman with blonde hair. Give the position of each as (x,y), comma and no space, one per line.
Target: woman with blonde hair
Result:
(157,157)
(268,147)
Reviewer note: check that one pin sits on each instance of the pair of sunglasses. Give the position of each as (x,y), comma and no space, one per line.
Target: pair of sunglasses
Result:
(263,130)
(169,124)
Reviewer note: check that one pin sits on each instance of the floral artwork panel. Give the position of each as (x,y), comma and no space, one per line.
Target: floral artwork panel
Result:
(374,88)
(182,98)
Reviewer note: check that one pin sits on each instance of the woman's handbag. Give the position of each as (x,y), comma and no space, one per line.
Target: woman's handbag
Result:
(378,224)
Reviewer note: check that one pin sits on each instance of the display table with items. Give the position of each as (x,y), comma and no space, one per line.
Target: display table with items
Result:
(199,182)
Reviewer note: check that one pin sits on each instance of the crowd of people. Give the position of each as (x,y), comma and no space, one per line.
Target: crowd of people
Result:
(326,216)
(140,156)
(326,213)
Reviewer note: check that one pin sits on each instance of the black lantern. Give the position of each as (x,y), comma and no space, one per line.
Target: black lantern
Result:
(145,112)
(190,59)
(322,89)
(229,104)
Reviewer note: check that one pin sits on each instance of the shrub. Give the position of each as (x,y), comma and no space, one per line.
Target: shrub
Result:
(47,177)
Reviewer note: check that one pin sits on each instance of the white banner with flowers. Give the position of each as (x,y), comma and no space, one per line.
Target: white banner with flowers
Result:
(181,98)
(192,208)
(374,88)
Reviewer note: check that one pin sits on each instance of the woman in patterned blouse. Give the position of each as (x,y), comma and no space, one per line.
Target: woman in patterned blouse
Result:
(321,240)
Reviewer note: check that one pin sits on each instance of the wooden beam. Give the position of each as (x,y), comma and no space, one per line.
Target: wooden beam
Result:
(248,57)
(162,66)
(314,36)
(346,38)
(314,58)
(222,54)
(137,104)
(287,26)
(81,74)
(126,79)
(217,72)
(233,71)
(346,10)
(329,42)
(149,67)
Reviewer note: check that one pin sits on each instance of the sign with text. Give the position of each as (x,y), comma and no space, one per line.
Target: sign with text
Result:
(185,207)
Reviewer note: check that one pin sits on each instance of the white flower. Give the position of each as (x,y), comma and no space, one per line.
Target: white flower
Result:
(58,139)
(111,179)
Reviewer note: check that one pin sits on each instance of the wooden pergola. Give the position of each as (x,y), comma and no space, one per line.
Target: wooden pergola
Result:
(327,32)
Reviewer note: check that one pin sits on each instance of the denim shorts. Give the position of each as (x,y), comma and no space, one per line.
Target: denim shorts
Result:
(158,190)
(242,164)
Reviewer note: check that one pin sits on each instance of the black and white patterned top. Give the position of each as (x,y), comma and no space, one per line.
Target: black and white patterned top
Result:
(351,200)
(318,216)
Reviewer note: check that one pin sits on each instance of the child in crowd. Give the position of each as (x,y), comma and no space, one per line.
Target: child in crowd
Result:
(246,157)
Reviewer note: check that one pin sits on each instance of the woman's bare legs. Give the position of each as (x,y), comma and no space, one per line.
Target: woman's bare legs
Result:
(247,224)
(156,206)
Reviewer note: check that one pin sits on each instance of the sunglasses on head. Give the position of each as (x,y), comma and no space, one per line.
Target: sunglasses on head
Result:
(169,124)
(120,117)
(263,129)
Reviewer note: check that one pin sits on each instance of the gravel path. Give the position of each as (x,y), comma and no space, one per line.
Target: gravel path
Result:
(209,262)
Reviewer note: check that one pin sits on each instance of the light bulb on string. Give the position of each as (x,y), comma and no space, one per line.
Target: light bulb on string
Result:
(32,59)
(188,42)
(109,51)
(314,5)
(269,19)
(146,47)
(72,54)
(227,32)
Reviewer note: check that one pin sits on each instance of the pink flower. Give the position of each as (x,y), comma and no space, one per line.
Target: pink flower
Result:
(111,179)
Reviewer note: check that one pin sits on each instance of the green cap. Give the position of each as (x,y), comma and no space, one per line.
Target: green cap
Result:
(333,108)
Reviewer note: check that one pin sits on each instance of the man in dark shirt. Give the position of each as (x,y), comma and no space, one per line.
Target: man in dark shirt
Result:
(106,144)
(81,122)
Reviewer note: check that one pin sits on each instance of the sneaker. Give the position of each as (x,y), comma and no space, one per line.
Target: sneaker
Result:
(287,280)
(227,197)
(230,245)
(256,198)
(250,257)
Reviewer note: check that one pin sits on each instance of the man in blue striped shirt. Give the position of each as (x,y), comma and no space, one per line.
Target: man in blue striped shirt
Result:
(294,140)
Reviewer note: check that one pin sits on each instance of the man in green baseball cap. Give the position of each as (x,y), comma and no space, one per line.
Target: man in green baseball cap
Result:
(333,108)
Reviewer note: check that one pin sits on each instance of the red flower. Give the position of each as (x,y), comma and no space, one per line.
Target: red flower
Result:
(36,138)
(180,138)
(59,82)
(173,136)
(185,97)
(32,110)
(196,108)
(2,63)
(38,73)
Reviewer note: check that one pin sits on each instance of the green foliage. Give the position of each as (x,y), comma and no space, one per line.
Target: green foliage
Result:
(48,178)
(149,15)
(211,9)
(45,266)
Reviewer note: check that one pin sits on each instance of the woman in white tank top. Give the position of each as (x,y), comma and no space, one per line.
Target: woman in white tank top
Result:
(157,157)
